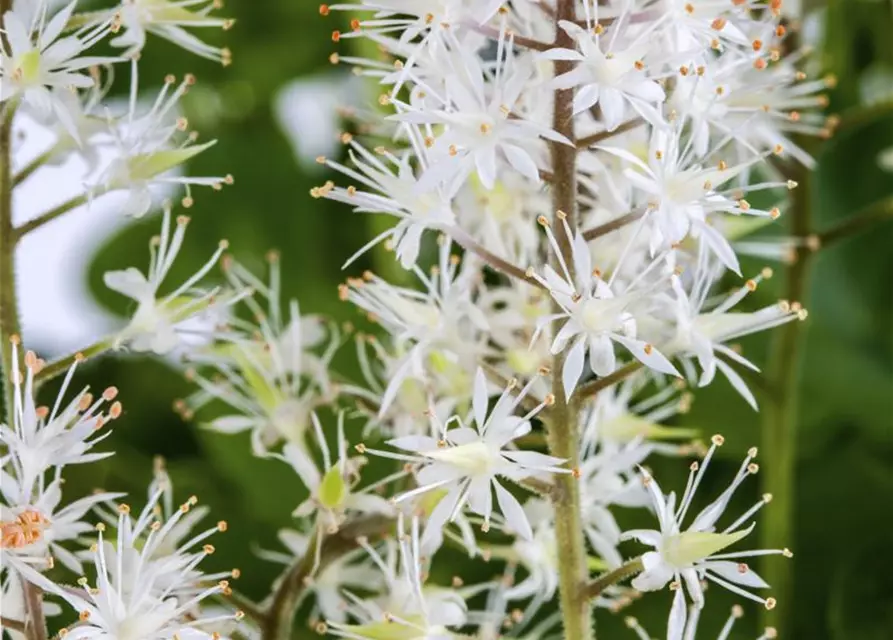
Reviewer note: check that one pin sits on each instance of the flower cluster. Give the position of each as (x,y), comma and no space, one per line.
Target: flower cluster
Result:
(568,182)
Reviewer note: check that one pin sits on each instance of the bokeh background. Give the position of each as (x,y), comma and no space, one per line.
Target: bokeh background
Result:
(277,107)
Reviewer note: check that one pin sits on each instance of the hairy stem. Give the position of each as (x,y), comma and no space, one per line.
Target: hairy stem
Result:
(33,166)
(9,310)
(595,588)
(563,425)
(35,622)
(779,419)
(592,388)
(613,225)
(48,216)
(60,366)
(601,136)
(495,262)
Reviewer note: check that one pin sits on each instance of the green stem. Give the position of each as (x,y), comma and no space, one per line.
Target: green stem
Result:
(857,223)
(278,620)
(9,310)
(618,575)
(563,424)
(52,214)
(33,166)
(779,423)
(60,366)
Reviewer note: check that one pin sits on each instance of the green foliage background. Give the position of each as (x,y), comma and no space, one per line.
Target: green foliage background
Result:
(843,542)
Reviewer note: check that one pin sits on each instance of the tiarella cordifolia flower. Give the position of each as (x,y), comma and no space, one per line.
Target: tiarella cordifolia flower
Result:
(759,108)
(620,420)
(701,334)
(43,440)
(391,188)
(409,609)
(171,20)
(147,149)
(439,327)
(36,58)
(685,555)
(269,371)
(350,572)
(331,488)
(425,23)
(481,126)
(682,196)
(140,594)
(160,322)
(468,463)
(594,318)
(691,628)
(614,79)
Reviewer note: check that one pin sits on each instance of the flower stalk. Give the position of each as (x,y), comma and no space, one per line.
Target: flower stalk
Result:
(563,426)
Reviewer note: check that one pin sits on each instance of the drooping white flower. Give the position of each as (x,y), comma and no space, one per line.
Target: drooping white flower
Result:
(685,555)
(160,322)
(468,463)
(35,58)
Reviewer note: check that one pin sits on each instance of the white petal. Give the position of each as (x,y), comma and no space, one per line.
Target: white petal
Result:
(573,368)
(512,512)
(676,623)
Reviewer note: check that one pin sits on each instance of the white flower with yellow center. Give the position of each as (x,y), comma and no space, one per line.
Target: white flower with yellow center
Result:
(159,322)
(687,555)
(467,463)
(35,58)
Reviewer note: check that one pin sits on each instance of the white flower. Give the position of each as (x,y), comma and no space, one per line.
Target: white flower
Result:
(441,323)
(594,319)
(41,440)
(270,373)
(159,323)
(691,627)
(147,149)
(391,185)
(680,193)
(691,554)
(333,581)
(426,22)
(701,334)
(140,594)
(481,125)
(409,610)
(35,58)
(168,19)
(331,489)
(467,462)
(34,531)
(613,79)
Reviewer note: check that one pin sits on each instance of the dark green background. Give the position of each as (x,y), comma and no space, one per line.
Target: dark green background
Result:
(843,564)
